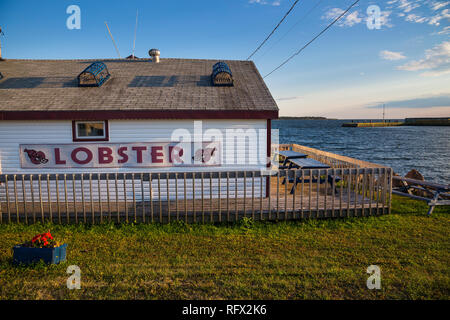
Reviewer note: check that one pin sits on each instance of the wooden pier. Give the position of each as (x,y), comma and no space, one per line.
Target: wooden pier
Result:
(427,121)
(372,124)
(406,122)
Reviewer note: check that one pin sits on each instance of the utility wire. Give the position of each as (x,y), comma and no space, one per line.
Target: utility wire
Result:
(292,56)
(279,23)
(284,35)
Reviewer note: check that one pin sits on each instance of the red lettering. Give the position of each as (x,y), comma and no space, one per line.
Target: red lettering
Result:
(121,152)
(74,155)
(104,155)
(157,154)
(139,153)
(175,153)
(58,157)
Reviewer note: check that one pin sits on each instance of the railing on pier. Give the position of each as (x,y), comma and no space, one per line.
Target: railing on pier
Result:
(196,196)
(332,159)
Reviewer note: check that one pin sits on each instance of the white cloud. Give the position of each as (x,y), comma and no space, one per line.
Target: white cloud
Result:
(407,6)
(273,3)
(415,18)
(435,20)
(384,19)
(332,13)
(436,61)
(288,98)
(354,18)
(391,55)
(432,17)
(349,20)
(446,30)
(435,73)
(437,5)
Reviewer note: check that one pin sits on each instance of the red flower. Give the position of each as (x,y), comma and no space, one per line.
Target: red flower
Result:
(43,240)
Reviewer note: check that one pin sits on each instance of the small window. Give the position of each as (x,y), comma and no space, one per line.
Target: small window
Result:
(90,130)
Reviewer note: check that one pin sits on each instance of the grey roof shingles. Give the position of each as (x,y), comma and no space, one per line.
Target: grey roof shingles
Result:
(172,84)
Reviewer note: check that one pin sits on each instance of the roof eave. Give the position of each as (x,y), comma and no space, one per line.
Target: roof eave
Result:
(138,114)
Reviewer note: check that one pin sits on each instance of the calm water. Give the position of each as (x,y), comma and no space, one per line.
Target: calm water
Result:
(426,149)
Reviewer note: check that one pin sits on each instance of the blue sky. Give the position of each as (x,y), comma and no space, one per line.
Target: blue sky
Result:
(346,73)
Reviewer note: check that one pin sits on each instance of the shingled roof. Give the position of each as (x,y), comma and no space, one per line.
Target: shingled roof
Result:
(173,88)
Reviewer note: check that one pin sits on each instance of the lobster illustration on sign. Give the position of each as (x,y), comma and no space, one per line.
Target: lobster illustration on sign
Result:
(204,155)
(36,157)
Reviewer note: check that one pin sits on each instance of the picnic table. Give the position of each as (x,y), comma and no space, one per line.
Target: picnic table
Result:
(440,193)
(289,155)
(308,163)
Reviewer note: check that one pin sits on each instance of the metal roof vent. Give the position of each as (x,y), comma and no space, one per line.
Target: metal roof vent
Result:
(94,75)
(154,53)
(221,74)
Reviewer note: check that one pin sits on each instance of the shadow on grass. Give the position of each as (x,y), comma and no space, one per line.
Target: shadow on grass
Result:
(38,265)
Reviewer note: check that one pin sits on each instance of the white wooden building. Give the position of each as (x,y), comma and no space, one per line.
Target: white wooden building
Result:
(133,121)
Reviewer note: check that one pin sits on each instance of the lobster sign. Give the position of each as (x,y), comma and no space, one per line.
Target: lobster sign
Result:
(119,155)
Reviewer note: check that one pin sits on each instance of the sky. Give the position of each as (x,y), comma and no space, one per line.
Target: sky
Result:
(356,66)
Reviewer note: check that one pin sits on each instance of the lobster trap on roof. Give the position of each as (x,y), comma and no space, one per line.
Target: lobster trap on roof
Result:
(221,74)
(94,75)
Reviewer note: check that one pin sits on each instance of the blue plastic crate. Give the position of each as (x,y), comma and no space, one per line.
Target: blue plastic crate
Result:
(28,255)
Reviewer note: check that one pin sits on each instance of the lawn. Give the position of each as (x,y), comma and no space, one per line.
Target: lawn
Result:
(310,259)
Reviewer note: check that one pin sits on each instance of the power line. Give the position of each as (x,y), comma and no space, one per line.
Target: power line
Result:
(292,56)
(298,21)
(279,23)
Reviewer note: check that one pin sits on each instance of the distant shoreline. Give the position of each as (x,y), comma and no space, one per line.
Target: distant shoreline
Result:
(305,118)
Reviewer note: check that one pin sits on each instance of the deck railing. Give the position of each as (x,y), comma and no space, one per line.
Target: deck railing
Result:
(332,159)
(195,196)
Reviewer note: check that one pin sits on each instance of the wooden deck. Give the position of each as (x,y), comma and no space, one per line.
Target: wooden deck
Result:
(310,200)
(357,188)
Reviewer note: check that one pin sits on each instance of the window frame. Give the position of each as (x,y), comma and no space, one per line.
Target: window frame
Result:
(76,138)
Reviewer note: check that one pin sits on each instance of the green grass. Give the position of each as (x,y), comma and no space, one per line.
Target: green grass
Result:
(311,259)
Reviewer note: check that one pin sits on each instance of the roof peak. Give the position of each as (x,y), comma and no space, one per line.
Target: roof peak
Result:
(124,59)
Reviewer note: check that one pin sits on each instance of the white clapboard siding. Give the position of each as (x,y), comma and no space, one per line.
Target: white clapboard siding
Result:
(41,191)
(14,133)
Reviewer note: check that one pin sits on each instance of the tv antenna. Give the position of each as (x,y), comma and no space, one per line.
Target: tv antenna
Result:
(109,31)
(135,29)
(1,34)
